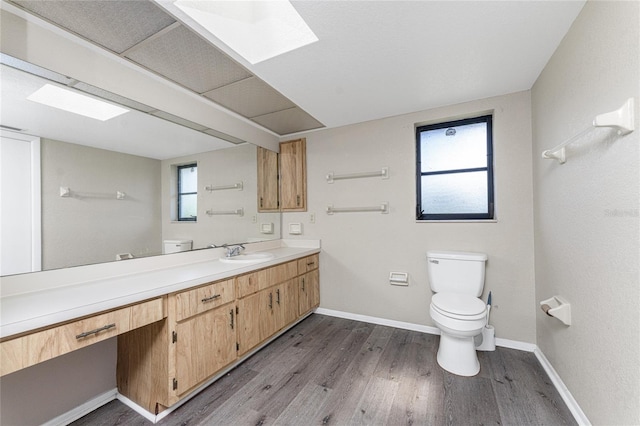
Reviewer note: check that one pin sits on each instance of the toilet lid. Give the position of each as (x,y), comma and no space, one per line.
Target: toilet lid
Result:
(458,304)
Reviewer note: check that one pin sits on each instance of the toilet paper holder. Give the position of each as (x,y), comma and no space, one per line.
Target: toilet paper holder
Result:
(558,308)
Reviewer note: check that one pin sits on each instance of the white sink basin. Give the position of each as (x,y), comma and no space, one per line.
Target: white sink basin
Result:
(248,258)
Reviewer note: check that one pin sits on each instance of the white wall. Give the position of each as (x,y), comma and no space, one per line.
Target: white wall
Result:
(218,168)
(92,226)
(587,216)
(360,249)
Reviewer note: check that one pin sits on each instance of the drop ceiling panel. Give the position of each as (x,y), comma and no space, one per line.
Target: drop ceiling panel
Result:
(185,58)
(291,120)
(115,24)
(250,97)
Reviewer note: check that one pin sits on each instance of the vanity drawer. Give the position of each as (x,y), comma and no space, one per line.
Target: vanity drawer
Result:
(148,312)
(43,345)
(308,263)
(201,299)
(251,283)
(283,272)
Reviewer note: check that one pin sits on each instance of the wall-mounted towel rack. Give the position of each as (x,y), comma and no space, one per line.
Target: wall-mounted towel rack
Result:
(621,119)
(212,188)
(238,212)
(65,192)
(382,208)
(384,174)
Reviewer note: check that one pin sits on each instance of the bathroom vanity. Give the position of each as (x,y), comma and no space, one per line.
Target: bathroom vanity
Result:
(178,327)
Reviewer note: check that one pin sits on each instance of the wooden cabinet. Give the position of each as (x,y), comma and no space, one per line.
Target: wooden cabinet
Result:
(159,365)
(205,343)
(210,327)
(263,313)
(33,348)
(309,292)
(267,180)
(293,176)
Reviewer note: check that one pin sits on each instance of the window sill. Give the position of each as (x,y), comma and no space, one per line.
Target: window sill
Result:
(184,221)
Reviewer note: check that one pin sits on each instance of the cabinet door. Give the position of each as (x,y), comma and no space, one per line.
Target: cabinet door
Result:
(293,176)
(308,292)
(267,180)
(286,303)
(205,344)
(252,311)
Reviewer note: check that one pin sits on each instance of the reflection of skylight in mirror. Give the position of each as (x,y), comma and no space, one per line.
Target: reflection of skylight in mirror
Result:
(77,103)
(256,30)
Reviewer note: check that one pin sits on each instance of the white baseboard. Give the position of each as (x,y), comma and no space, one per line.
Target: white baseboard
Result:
(82,410)
(505,343)
(568,399)
(379,321)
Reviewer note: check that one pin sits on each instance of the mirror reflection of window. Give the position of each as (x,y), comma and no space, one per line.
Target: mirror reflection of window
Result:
(188,192)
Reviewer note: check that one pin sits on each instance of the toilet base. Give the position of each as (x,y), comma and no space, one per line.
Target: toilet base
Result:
(458,355)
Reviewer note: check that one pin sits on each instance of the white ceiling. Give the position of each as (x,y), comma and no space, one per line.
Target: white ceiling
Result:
(377,59)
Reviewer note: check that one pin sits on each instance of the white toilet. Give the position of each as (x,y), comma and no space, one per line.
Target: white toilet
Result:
(457,278)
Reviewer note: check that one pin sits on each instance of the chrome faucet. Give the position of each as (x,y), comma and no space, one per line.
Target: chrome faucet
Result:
(234,250)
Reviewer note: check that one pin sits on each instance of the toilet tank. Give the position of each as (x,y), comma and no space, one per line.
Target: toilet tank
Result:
(175,246)
(456,272)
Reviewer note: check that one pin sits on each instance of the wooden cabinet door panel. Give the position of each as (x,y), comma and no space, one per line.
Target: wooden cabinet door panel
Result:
(267,180)
(205,344)
(308,292)
(248,320)
(293,178)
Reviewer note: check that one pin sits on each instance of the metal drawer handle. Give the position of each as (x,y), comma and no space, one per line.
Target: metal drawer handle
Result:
(231,314)
(96,331)
(206,299)
(278,294)
(270,300)
(311,263)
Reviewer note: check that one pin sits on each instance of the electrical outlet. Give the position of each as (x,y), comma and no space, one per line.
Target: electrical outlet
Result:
(312,218)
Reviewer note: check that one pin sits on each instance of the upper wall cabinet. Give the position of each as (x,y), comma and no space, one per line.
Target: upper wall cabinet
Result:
(293,176)
(267,180)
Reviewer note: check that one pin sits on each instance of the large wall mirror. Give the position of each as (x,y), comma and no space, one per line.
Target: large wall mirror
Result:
(115,189)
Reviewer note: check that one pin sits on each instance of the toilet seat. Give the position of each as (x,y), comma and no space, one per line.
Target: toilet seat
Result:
(459,306)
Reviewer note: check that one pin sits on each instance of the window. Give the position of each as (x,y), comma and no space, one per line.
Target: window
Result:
(188,192)
(455,170)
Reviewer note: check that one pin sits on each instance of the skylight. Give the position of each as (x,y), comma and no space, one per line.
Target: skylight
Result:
(256,30)
(71,101)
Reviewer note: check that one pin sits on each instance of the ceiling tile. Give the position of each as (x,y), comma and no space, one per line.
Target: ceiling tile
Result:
(291,120)
(185,58)
(114,24)
(250,97)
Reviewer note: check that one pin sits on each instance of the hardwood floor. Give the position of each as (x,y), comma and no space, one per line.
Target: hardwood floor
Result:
(332,371)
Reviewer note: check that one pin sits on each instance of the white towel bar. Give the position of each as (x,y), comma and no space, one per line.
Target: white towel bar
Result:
(384,174)
(382,208)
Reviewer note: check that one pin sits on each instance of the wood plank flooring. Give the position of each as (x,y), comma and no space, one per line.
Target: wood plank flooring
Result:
(332,371)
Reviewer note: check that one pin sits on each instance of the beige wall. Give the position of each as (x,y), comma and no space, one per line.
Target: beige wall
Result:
(45,391)
(218,168)
(92,226)
(360,249)
(586,216)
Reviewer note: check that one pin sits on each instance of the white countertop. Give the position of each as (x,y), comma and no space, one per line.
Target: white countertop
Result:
(43,306)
